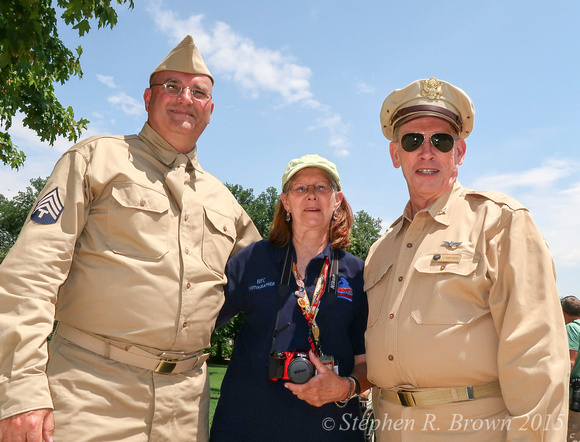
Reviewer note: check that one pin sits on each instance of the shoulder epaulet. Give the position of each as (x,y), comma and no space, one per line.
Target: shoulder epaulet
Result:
(497,197)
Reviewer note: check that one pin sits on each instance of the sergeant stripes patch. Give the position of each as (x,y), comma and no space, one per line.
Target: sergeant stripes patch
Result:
(48,209)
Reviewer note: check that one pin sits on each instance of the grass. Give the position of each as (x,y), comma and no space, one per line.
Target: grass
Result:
(216,376)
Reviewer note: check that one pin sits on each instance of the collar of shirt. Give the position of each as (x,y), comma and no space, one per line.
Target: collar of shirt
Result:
(440,210)
(163,150)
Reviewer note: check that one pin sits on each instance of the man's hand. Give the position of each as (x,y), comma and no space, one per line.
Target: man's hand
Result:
(32,426)
(323,388)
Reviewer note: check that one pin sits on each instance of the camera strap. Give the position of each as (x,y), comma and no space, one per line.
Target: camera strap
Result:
(284,288)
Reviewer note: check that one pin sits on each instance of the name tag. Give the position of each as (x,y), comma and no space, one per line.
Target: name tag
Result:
(447,258)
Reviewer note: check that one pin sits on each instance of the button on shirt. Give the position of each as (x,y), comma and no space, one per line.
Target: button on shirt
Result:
(465,294)
(123,260)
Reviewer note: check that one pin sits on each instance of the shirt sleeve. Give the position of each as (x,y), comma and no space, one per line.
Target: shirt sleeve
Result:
(235,270)
(359,325)
(31,275)
(573,330)
(247,233)
(533,360)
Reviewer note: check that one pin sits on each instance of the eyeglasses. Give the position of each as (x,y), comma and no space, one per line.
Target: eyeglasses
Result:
(174,88)
(413,141)
(319,189)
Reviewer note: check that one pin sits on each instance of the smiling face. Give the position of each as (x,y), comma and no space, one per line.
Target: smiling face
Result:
(179,120)
(429,173)
(311,212)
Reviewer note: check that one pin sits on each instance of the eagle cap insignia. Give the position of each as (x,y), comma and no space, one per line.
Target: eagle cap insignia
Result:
(432,89)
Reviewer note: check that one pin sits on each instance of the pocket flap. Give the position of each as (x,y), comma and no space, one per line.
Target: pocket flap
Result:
(373,274)
(221,223)
(135,196)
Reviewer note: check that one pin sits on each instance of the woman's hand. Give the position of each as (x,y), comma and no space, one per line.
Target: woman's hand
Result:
(323,388)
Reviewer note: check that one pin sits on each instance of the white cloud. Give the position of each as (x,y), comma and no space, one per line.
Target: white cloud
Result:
(107,80)
(363,88)
(26,138)
(128,104)
(541,177)
(253,69)
(552,195)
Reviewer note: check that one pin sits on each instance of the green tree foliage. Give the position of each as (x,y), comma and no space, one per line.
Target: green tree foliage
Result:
(260,208)
(33,59)
(14,212)
(365,231)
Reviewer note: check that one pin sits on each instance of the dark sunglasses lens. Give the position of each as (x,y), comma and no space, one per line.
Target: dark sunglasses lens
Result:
(443,142)
(411,142)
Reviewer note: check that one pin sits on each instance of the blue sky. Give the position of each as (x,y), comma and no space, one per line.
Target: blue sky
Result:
(310,77)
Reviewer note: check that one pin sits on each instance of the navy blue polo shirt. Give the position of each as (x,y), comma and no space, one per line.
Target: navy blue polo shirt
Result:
(255,408)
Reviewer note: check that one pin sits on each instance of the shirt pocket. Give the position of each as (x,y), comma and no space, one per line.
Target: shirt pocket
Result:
(375,285)
(447,292)
(219,237)
(138,220)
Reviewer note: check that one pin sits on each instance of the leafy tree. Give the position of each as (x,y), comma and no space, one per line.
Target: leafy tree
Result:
(260,208)
(14,212)
(33,58)
(365,231)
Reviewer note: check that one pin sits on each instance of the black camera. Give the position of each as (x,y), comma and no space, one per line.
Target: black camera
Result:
(575,395)
(294,366)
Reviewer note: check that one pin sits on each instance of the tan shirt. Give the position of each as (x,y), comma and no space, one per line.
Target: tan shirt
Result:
(122,260)
(481,309)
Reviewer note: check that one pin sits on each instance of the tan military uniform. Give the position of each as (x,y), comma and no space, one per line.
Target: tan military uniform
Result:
(125,264)
(462,295)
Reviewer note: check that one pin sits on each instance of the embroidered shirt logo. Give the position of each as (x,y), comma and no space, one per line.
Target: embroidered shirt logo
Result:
(48,209)
(261,283)
(344,290)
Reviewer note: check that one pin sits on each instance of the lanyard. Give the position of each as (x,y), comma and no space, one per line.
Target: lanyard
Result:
(284,290)
(311,310)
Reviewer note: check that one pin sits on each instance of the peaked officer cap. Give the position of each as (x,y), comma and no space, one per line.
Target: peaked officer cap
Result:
(423,98)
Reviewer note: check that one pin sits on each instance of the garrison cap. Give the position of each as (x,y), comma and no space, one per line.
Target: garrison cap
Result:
(310,160)
(185,57)
(424,98)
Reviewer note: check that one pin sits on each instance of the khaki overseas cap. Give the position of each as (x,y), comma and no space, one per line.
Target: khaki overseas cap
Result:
(185,57)
(310,160)
(424,98)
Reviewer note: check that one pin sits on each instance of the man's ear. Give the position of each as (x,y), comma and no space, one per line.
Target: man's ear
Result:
(147,98)
(461,149)
(394,151)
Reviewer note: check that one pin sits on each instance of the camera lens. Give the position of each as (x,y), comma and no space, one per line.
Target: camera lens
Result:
(300,370)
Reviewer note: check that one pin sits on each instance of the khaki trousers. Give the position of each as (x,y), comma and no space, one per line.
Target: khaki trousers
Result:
(98,399)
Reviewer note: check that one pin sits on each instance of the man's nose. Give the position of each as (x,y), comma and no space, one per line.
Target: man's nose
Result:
(185,94)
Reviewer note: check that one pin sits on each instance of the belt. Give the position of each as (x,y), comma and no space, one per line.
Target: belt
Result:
(408,398)
(166,363)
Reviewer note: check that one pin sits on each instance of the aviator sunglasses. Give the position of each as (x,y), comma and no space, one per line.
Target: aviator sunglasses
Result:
(413,141)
